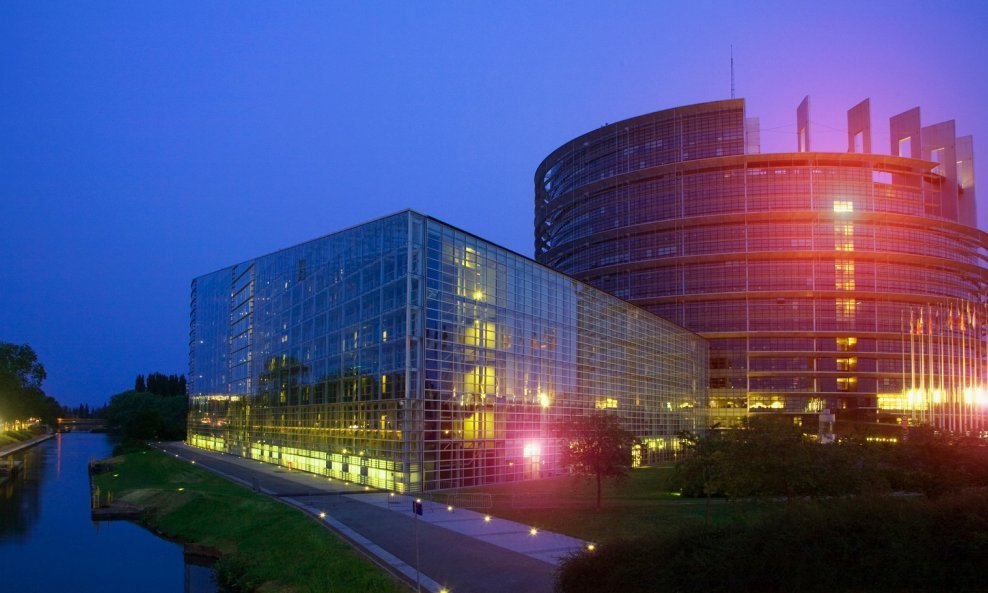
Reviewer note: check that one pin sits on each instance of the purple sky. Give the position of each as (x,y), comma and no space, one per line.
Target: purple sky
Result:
(144,144)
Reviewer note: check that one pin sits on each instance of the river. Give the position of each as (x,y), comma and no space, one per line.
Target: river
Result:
(49,543)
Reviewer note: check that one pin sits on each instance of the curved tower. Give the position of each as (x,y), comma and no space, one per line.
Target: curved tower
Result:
(849,282)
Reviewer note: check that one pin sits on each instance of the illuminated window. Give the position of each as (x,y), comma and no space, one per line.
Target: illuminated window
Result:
(844,275)
(843,206)
(480,334)
(847,383)
(469,258)
(844,236)
(480,380)
(847,344)
(847,364)
(846,309)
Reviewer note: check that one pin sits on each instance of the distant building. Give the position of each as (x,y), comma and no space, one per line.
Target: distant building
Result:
(851,282)
(408,355)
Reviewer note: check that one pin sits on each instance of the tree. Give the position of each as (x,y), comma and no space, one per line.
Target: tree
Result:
(21,375)
(141,415)
(597,446)
(161,384)
(21,362)
(770,457)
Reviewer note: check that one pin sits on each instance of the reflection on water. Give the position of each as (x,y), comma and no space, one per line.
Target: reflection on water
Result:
(49,543)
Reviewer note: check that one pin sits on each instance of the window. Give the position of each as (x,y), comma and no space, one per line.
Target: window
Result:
(906,147)
(847,344)
(847,364)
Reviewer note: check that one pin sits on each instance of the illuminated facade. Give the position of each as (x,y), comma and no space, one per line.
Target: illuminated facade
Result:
(849,282)
(408,355)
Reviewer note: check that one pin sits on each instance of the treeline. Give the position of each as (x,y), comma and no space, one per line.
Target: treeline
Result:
(21,395)
(156,409)
(160,384)
(850,516)
(765,458)
(83,411)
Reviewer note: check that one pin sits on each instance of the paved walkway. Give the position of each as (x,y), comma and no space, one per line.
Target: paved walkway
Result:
(456,550)
(12,448)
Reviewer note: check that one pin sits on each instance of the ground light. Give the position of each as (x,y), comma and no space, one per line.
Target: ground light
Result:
(487,518)
(591,547)
(322,514)
(533,531)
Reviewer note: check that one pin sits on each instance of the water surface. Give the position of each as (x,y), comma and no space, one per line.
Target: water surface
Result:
(49,543)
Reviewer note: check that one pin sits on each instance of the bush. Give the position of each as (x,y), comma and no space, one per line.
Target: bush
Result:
(864,545)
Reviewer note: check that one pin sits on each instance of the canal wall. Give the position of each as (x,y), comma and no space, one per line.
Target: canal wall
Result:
(10,468)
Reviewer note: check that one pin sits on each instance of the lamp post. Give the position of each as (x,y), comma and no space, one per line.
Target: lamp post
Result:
(416,511)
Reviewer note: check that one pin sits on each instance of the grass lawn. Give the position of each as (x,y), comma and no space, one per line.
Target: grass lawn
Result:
(266,545)
(643,504)
(15,436)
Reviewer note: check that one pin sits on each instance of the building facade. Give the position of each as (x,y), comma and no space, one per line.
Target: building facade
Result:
(408,355)
(846,283)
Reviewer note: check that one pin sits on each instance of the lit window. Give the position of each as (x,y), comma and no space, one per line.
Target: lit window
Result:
(846,309)
(847,344)
(847,364)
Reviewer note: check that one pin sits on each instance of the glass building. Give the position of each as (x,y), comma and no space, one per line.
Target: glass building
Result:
(826,283)
(408,355)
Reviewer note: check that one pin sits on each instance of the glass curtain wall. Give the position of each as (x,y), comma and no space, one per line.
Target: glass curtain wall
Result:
(405,354)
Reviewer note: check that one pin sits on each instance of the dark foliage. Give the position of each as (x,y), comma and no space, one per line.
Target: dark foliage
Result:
(160,384)
(134,415)
(767,459)
(870,544)
(21,376)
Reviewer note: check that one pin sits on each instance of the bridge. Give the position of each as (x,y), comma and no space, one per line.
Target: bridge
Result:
(81,425)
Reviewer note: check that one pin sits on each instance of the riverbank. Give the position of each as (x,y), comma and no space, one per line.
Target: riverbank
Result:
(264,545)
(13,447)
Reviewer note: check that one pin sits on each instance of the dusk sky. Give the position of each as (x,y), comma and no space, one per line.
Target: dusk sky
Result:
(144,144)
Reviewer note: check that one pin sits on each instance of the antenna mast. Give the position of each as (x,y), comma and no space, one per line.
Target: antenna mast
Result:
(732,70)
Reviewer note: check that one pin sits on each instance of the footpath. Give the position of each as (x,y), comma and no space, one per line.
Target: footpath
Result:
(11,448)
(454,550)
